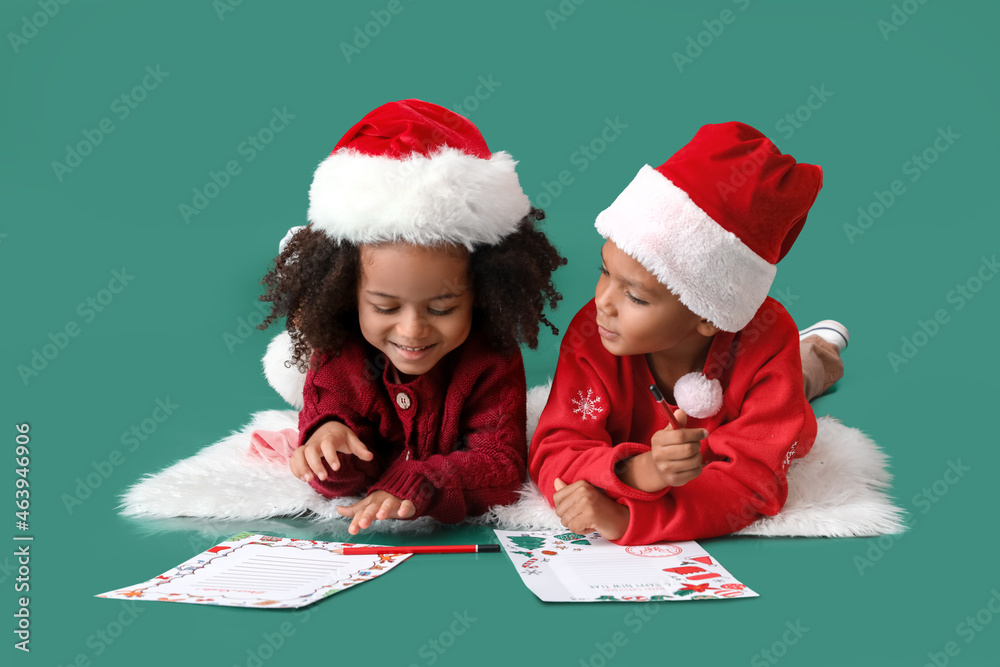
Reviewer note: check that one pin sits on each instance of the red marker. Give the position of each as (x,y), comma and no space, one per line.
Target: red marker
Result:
(666,406)
(431,549)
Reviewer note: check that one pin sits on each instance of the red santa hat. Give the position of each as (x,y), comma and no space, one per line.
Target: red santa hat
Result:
(713,220)
(415,172)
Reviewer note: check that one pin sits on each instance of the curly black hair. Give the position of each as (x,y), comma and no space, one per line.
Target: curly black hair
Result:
(314,283)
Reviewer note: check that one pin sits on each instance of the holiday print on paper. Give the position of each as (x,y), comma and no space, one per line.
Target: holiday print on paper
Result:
(587,406)
(567,567)
(262,571)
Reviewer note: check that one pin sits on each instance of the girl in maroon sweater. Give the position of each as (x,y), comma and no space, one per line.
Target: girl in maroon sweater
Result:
(407,297)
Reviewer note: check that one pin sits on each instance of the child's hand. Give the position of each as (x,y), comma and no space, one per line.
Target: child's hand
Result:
(378,505)
(324,443)
(584,509)
(676,455)
(674,460)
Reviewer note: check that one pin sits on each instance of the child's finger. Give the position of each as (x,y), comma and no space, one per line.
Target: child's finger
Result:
(356,447)
(389,506)
(315,460)
(563,490)
(368,515)
(681,452)
(668,437)
(347,510)
(568,505)
(358,509)
(680,417)
(406,509)
(574,499)
(582,498)
(576,489)
(685,465)
(330,454)
(297,465)
(574,520)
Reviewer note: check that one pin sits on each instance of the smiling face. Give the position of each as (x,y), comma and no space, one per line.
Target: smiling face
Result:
(637,314)
(414,302)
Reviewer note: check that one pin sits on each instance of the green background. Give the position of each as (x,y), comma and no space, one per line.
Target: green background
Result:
(556,82)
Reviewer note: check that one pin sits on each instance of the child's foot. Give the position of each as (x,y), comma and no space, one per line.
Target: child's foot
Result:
(829,330)
(820,346)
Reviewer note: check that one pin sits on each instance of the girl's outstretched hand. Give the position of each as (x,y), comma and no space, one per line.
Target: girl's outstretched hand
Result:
(377,505)
(324,443)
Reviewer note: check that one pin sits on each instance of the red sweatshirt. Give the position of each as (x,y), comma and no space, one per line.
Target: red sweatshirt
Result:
(451,440)
(601,411)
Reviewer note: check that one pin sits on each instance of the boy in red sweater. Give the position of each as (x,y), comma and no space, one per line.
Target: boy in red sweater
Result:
(682,304)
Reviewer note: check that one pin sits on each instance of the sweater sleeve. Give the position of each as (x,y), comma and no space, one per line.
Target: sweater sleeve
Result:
(573,439)
(775,424)
(333,392)
(489,470)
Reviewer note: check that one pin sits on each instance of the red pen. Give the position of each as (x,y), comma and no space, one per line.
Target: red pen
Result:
(666,406)
(431,549)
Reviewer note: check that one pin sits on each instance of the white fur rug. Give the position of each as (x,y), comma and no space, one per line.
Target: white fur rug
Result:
(837,490)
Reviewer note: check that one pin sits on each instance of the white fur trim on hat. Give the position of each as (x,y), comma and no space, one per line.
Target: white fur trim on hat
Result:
(288,237)
(449,197)
(710,269)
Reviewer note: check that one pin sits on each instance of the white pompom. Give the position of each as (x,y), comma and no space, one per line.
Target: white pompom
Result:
(287,381)
(697,395)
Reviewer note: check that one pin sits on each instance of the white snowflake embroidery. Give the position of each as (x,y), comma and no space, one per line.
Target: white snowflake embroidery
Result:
(587,405)
(789,456)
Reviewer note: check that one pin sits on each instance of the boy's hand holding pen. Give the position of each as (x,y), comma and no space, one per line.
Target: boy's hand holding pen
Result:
(675,457)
